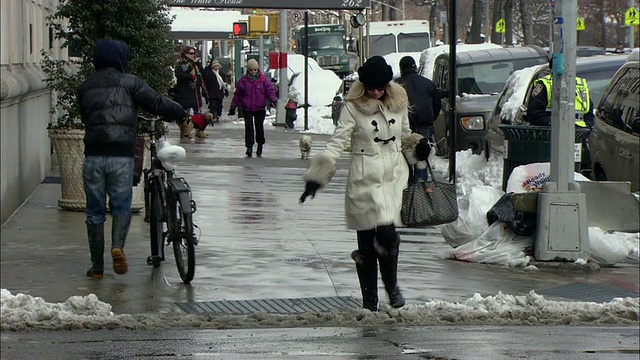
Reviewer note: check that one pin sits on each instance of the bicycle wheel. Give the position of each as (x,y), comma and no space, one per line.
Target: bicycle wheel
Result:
(183,245)
(155,225)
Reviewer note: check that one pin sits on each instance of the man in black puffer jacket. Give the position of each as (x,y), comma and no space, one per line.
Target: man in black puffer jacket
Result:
(109,102)
(425,105)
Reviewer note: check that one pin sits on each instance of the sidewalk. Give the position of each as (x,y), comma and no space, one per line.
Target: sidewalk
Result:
(256,242)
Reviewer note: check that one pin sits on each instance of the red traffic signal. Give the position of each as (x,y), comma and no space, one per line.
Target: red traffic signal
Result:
(240,29)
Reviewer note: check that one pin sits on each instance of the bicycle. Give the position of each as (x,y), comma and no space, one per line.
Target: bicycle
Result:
(168,208)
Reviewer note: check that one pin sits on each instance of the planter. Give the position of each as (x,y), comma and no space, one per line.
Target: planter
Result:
(69,149)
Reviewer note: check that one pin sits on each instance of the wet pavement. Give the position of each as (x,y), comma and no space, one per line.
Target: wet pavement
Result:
(256,241)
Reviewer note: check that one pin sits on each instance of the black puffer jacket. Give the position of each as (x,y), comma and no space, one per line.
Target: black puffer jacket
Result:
(109,102)
(423,97)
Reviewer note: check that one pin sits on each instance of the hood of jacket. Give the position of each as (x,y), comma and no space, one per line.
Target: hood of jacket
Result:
(111,54)
(395,98)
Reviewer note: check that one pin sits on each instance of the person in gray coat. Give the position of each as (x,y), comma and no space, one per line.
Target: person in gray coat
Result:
(375,118)
(109,102)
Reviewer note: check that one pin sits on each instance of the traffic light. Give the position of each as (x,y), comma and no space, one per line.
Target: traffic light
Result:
(240,29)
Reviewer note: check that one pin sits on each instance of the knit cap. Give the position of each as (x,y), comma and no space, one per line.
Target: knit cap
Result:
(252,64)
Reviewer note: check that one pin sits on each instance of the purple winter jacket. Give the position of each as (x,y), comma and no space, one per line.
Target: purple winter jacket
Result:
(253,95)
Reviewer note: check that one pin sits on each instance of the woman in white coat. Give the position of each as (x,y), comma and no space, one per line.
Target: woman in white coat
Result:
(375,117)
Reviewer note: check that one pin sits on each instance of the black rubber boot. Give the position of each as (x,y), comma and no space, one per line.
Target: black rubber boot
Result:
(367,269)
(390,241)
(249,151)
(259,151)
(95,233)
(119,229)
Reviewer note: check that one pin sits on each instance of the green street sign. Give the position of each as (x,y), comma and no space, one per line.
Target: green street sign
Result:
(631,17)
(501,26)
(580,24)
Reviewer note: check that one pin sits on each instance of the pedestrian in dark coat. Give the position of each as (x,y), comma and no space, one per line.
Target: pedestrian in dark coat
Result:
(109,102)
(215,82)
(254,92)
(425,105)
(189,86)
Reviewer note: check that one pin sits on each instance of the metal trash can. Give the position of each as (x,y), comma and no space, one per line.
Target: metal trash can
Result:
(525,144)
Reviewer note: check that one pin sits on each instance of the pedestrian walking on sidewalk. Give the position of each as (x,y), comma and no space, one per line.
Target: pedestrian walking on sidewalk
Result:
(109,101)
(253,91)
(424,108)
(216,84)
(375,118)
(189,87)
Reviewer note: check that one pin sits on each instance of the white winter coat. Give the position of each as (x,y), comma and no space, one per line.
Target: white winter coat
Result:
(379,171)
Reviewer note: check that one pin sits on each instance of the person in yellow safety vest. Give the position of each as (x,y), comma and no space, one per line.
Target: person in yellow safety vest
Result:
(539,109)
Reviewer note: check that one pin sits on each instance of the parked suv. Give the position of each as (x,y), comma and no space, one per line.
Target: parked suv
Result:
(481,75)
(512,102)
(614,140)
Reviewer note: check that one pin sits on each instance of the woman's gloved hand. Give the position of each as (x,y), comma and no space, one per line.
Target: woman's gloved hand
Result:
(310,190)
(232,111)
(423,149)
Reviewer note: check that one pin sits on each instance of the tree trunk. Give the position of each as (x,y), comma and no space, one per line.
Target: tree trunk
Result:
(527,22)
(433,28)
(476,22)
(508,17)
(603,25)
(498,7)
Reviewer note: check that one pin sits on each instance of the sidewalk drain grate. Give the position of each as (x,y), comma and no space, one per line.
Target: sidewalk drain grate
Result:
(51,180)
(587,292)
(271,306)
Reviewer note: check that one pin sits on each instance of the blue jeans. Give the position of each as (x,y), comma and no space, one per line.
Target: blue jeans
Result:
(112,175)
(416,174)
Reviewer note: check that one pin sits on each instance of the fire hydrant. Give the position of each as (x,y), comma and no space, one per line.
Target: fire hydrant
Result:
(290,113)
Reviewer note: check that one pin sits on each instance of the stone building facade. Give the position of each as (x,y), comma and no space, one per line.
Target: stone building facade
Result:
(25,101)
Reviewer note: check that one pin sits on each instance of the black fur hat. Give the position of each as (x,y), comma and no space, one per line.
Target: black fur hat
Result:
(375,72)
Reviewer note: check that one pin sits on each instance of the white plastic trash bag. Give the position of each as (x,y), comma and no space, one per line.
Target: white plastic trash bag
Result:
(497,245)
(607,248)
(472,218)
(532,177)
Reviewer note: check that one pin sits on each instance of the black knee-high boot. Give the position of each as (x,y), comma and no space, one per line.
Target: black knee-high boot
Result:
(367,268)
(388,241)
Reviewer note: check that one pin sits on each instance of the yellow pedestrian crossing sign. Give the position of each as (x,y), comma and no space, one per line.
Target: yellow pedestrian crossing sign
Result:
(501,25)
(631,17)
(580,24)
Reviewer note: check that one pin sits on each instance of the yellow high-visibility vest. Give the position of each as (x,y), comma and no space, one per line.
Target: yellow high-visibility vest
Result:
(581,102)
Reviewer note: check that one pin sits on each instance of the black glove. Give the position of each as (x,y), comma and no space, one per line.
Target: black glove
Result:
(226,92)
(273,104)
(206,100)
(310,190)
(232,111)
(423,149)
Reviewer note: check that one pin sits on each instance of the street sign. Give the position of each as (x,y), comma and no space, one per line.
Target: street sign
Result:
(501,26)
(296,16)
(580,24)
(631,17)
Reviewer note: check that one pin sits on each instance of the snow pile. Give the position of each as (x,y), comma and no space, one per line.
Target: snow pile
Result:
(23,313)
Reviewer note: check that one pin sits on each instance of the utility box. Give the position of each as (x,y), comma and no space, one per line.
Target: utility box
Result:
(562,231)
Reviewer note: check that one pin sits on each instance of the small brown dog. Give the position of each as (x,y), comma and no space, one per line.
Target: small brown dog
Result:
(185,129)
(209,119)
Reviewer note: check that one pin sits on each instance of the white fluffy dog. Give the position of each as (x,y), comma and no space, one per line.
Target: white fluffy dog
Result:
(305,147)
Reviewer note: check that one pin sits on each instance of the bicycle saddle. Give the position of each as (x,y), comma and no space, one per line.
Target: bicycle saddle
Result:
(170,155)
